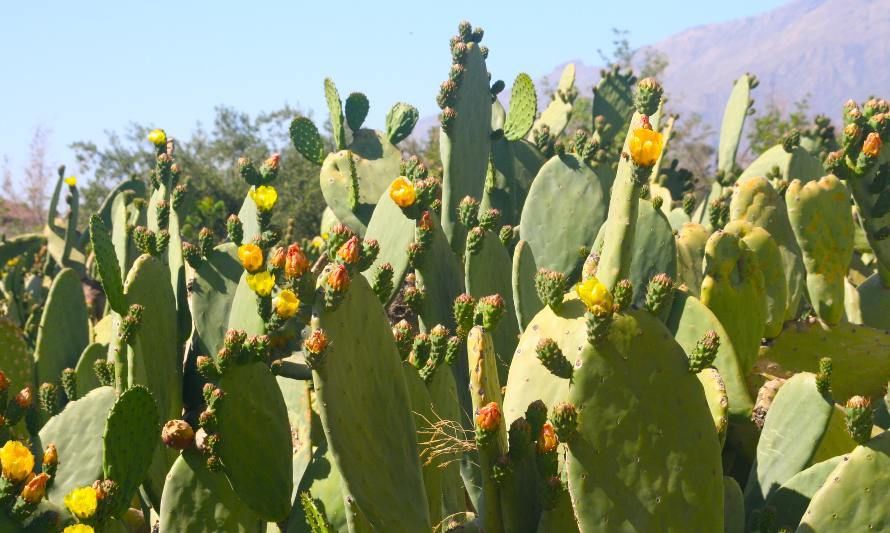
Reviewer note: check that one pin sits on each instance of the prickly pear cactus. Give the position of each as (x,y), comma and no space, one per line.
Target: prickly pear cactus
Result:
(790,501)
(15,357)
(823,224)
(213,290)
(64,328)
(691,241)
(360,363)
(525,296)
(558,112)
(394,232)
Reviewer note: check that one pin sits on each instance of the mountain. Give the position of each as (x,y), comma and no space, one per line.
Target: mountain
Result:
(826,50)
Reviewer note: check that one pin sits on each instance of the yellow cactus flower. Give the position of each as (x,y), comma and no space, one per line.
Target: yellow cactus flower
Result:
(645,146)
(286,304)
(594,294)
(12,262)
(71,181)
(261,283)
(157,137)
(251,257)
(402,192)
(79,528)
(317,242)
(35,488)
(264,197)
(872,145)
(17,461)
(82,502)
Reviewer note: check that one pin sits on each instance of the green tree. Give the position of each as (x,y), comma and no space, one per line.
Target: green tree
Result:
(208,159)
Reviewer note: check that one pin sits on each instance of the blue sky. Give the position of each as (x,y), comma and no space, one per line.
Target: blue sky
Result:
(80,68)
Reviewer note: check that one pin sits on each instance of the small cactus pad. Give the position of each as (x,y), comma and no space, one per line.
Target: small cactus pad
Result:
(64,328)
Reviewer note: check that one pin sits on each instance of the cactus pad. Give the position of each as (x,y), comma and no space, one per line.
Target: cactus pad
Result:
(64,329)
(523,107)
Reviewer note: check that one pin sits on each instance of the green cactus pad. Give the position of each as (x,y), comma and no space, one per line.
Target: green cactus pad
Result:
(636,376)
(799,164)
(485,276)
(394,232)
(356,110)
(654,249)
(323,481)
(802,427)
(465,147)
(335,108)
(197,500)
(564,210)
(718,402)
(359,364)
(769,259)
(77,433)
(20,246)
(123,250)
(733,506)
(15,357)
(424,418)
(820,216)
(306,139)
(255,440)
(132,432)
(854,499)
(525,296)
(733,122)
(756,201)
(691,240)
(873,304)
(559,110)
(248,216)
(733,288)
(860,356)
(443,392)
(514,167)
(791,499)
(213,291)
(689,320)
(441,275)
(64,328)
(400,122)
(523,108)
(613,99)
(86,375)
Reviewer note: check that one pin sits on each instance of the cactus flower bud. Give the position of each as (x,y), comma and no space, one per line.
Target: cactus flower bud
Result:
(402,192)
(235,229)
(48,394)
(649,93)
(16,461)
(598,321)
(489,311)
(295,262)
(658,293)
(464,306)
(265,197)
(623,294)
(251,257)
(314,347)
(488,420)
(276,258)
(35,489)
(382,283)
(859,418)
(178,434)
(705,352)
(24,398)
(551,287)
(414,297)
(207,420)
(350,252)
(475,238)
(261,283)
(594,294)
(645,146)
(489,218)
(448,115)
(823,377)
(286,304)
(4,382)
(547,439)
(565,421)
(207,368)
(551,356)
(403,334)
(50,456)
(338,279)
(158,138)
(192,254)
(536,415)
(872,145)
(468,212)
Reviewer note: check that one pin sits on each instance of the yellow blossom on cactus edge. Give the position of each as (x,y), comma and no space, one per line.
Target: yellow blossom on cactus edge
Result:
(71,181)
(402,192)
(594,294)
(251,257)
(872,145)
(264,197)
(261,283)
(79,528)
(645,146)
(12,262)
(317,242)
(17,461)
(82,502)
(157,137)
(286,304)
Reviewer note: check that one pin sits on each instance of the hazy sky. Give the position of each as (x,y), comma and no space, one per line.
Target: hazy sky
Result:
(80,68)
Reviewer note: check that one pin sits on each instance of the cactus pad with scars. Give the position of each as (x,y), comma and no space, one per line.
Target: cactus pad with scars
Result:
(823,224)
(197,500)
(756,201)
(360,362)
(691,241)
(64,329)
(733,288)
(853,501)
(718,402)
(213,290)
(80,459)
(255,440)
(424,416)
(564,210)
(802,427)
(394,231)
(613,446)
(559,110)
(791,499)
(131,435)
